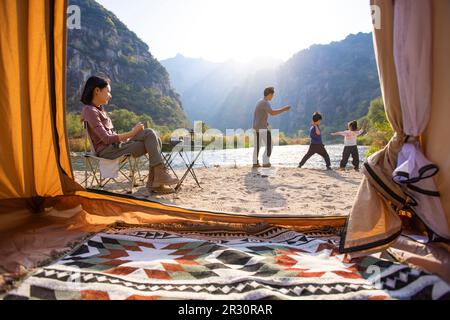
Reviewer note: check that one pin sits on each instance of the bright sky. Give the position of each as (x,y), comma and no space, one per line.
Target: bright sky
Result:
(218,30)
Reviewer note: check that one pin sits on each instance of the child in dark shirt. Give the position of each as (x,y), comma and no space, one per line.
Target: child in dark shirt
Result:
(316,142)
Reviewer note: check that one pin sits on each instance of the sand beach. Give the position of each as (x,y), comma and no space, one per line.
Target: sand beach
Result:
(276,190)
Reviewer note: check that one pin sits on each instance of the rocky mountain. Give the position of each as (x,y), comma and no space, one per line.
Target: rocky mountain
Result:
(338,79)
(105,46)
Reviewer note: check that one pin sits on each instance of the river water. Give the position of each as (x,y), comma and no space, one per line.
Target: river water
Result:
(285,156)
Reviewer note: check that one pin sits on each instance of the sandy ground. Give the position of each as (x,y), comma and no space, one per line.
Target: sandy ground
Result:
(284,191)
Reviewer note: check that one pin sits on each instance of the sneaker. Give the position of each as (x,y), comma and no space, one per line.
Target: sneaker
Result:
(257,165)
(329,169)
(299,166)
(267,165)
(341,169)
(357,169)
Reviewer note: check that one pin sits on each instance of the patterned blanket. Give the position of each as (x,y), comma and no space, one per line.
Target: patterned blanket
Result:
(273,264)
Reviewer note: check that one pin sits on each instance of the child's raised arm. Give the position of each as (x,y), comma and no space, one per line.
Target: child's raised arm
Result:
(360,132)
(340,133)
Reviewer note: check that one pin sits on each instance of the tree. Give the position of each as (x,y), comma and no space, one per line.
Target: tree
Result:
(124,120)
(380,130)
(74,125)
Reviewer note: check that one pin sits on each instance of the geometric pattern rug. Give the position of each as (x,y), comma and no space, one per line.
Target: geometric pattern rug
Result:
(276,263)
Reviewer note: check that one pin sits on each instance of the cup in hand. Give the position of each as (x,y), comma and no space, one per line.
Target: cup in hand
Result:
(139,127)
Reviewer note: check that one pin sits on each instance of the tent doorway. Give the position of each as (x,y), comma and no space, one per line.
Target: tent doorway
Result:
(142,92)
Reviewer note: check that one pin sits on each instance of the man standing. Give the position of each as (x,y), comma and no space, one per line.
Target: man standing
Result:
(261,126)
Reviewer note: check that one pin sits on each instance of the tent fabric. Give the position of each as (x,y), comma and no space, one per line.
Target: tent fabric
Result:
(371,227)
(380,224)
(60,53)
(433,257)
(435,139)
(32,97)
(412,54)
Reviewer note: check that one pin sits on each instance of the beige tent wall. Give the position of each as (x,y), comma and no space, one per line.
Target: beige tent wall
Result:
(437,136)
(372,222)
(371,226)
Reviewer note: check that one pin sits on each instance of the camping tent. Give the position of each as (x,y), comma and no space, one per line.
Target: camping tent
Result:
(43,211)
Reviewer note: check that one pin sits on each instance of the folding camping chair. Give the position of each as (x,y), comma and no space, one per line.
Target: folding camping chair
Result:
(98,172)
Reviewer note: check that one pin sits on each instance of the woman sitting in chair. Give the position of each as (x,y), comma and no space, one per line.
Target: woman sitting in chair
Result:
(110,145)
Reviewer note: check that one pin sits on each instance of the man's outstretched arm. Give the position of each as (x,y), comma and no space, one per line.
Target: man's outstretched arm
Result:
(275,112)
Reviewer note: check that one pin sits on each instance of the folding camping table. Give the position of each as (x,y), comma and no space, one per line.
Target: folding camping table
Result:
(179,148)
